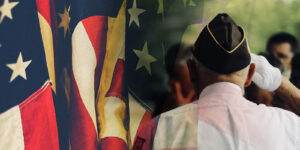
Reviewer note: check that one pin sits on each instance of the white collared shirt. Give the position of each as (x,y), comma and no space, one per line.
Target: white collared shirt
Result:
(226,120)
(222,119)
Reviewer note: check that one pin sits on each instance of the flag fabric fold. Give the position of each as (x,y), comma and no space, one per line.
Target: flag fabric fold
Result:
(89,31)
(31,124)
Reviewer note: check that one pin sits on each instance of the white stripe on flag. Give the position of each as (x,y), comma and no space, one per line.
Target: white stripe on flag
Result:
(84,63)
(11,132)
(114,115)
(136,112)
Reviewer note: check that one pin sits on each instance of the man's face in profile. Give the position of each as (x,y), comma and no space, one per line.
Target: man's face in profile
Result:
(283,52)
(182,89)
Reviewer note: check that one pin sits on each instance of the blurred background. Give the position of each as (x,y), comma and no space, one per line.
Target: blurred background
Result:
(260,18)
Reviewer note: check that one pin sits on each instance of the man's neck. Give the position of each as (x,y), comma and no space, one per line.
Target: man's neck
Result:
(204,83)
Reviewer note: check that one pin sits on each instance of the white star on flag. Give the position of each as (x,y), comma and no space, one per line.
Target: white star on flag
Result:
(6,8)
(134,13)
(18,68)
(145,59)
(65,20)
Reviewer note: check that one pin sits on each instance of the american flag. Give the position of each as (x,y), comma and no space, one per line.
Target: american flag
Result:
(102,58)
(27,114)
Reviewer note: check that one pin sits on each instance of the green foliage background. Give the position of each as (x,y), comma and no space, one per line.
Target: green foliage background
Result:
(260,18)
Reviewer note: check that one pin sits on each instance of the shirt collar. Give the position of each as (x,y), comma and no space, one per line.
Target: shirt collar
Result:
(234,86)
(221,88)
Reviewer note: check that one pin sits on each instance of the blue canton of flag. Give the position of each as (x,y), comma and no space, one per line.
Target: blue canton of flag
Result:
(22,60)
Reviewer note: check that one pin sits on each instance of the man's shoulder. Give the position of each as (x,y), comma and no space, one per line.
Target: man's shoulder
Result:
(273,116)
(279,112)
(172,128)
(174,115)
(262,108)
(177,128)
(182,110)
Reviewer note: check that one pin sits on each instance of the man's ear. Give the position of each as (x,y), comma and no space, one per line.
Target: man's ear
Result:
(250,74)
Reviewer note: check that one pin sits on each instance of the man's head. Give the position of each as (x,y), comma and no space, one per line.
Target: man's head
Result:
(222,54)
(274,61)
(202,76)
(283,46)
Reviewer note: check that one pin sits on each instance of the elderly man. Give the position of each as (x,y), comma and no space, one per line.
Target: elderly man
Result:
(221,118)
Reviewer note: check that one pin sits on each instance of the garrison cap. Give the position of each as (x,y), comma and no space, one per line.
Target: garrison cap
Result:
(222,46)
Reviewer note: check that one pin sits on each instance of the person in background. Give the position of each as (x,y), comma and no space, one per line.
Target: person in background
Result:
(283,46)
(295,79)
(181,90)
(295,76)
(258,95)
(222,118)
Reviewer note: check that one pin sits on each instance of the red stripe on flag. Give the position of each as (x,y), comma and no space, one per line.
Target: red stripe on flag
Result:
(117,81)
(83,135)
(113,143)
(96,28)
(146,118)
(145,135)
(39,121)
(47,9)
